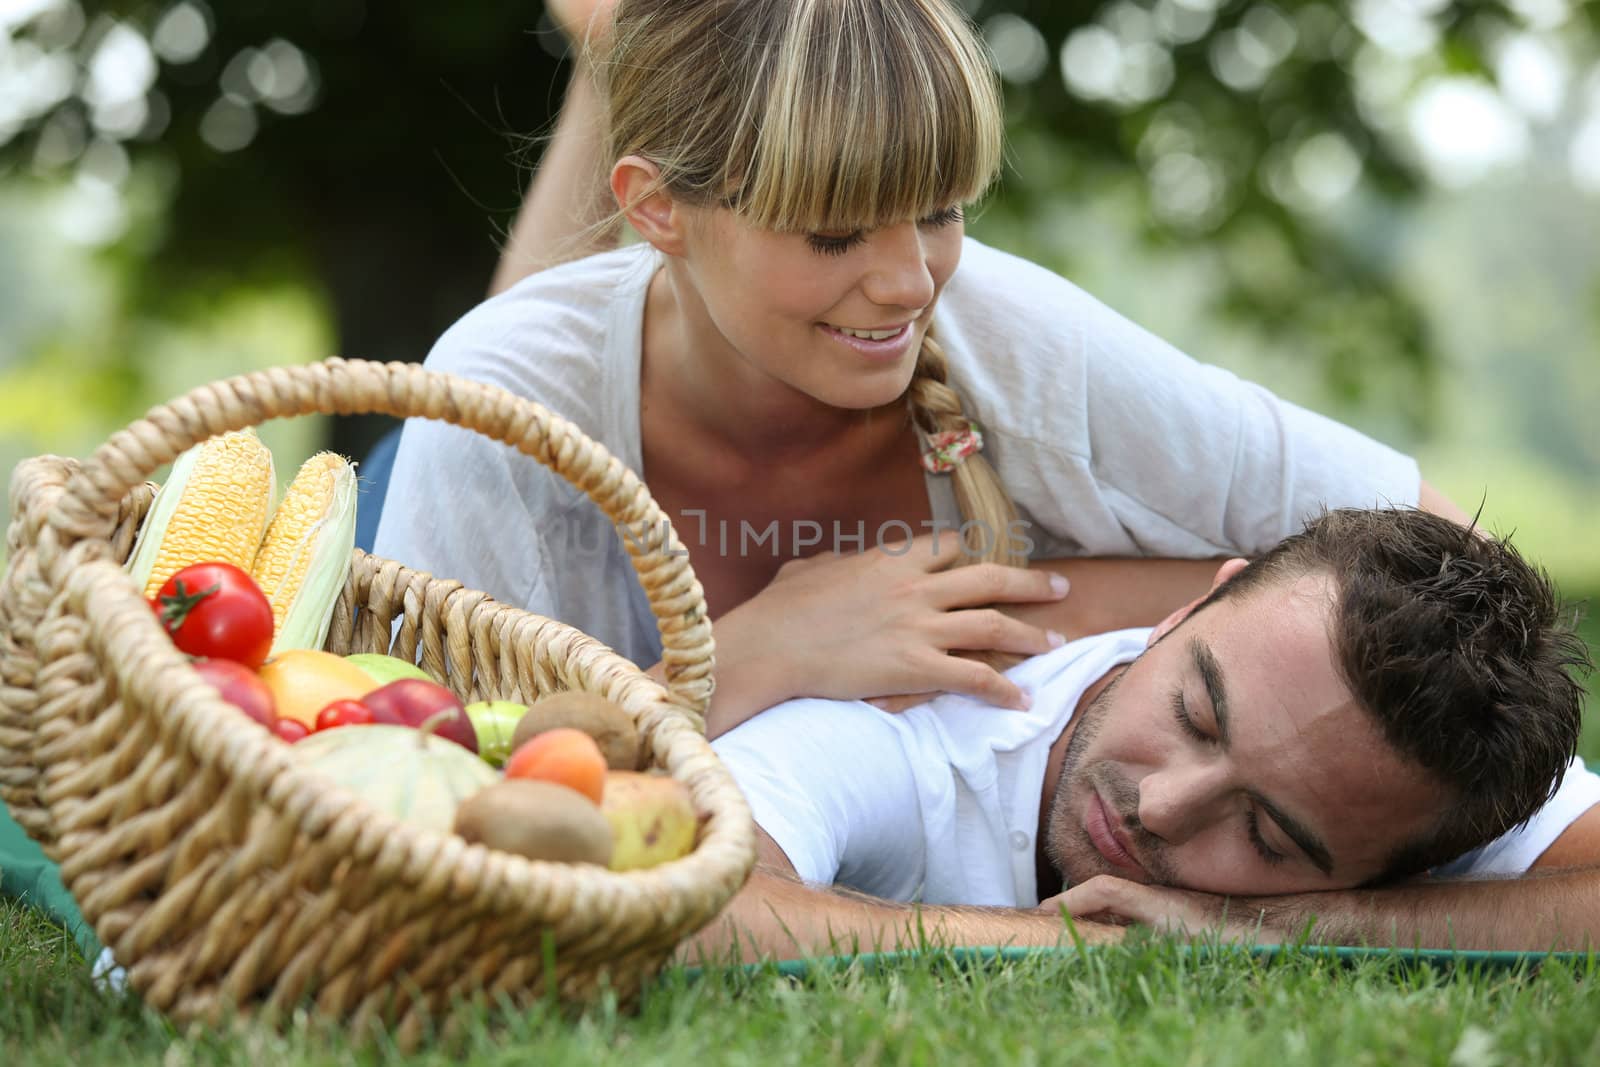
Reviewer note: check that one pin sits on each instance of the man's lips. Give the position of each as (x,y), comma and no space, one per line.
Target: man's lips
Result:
(1108,840)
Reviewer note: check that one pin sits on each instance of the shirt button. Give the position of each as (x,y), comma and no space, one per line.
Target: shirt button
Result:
(1019,840)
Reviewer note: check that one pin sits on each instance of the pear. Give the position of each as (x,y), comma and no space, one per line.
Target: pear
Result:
(652,819)
(495,722)
(385,669)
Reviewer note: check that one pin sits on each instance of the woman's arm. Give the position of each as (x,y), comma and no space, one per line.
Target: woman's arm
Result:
(1115,594)
(565,211)
(1430,499)
(881,626)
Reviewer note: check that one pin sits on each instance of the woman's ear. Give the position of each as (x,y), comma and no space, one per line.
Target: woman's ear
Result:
(1224,572)
(649,208)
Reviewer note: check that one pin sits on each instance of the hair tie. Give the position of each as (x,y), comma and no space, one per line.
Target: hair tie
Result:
(948,448)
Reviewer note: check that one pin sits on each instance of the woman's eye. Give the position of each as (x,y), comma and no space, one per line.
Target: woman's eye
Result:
(833,244)
(947,217)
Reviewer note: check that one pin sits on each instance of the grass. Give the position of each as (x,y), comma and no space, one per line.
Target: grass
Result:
(1148,1002)
(1588,602)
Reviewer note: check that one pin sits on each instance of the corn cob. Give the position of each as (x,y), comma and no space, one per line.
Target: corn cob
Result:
(306,553)
(214,506)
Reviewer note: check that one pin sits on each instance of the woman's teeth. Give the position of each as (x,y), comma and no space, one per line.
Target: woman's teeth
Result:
(869,335)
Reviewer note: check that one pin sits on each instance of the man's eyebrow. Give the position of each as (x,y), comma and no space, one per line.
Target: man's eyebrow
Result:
(1309,842)
(1216,692)
(1211,677)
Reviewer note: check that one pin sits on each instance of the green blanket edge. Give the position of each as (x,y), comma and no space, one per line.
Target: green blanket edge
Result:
(1268,954)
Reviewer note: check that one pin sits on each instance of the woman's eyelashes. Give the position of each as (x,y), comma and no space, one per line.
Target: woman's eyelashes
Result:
(948,217)
(834,245)
(831,244)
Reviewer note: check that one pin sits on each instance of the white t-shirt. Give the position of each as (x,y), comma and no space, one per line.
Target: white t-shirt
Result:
(1111,441)
(940,803)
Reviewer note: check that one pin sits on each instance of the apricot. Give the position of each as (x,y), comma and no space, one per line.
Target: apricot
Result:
(565,756)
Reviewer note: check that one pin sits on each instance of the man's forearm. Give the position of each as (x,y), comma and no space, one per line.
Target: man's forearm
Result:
(776,916)
(1539,911)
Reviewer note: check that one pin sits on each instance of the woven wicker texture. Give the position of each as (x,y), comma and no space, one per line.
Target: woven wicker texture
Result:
(228,880)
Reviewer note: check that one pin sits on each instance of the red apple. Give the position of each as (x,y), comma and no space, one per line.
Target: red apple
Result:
(291,730)
(418,702)
(241,687)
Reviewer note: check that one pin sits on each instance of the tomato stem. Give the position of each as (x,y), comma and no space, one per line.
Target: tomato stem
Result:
(176,606)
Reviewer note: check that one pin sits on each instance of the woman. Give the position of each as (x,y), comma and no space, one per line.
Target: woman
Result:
(804,353)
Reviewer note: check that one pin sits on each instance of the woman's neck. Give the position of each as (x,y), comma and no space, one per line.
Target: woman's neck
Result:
(700,381)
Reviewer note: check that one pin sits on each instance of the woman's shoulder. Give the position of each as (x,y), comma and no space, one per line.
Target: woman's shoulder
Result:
(991,278)
(1015,335)
(564,337)
(554,309)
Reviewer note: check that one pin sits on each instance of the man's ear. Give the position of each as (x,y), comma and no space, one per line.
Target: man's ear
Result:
(1224,572)
(649,209)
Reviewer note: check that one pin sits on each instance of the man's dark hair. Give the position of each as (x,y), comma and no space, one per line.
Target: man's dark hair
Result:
(1462,652)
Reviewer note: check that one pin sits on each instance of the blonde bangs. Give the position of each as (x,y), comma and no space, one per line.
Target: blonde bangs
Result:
(874,113)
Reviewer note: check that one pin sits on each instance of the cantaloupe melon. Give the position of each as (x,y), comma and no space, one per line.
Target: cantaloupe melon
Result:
(410,774)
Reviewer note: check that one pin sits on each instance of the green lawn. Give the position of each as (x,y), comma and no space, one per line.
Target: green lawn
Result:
(1589,745)
(1147,1003)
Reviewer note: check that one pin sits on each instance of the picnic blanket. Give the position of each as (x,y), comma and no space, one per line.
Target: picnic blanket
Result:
(28,875)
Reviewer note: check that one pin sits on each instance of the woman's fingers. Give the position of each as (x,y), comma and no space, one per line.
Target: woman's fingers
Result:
(896,704)
(994,583)
(992,630)
(932,674)
(954,674)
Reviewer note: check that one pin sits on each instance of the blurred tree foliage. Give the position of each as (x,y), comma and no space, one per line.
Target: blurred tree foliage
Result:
(387,171)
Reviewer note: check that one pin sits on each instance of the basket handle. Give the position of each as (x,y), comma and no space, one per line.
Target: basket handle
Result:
(88,505)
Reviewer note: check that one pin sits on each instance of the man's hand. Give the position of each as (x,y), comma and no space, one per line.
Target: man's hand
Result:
(1115,901)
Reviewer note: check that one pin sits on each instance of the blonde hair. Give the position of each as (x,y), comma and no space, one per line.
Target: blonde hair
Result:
(808,116)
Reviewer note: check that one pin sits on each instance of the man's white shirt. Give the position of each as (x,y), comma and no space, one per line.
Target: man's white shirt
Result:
(940,803)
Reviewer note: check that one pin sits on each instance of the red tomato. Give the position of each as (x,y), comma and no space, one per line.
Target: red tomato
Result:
(290,730)
(344,713)
(217,611)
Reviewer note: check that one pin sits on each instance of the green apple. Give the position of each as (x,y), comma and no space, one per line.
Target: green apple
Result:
(385,669)
(496,723)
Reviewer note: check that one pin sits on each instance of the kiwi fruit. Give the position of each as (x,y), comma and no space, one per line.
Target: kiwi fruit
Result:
(539,820)
(611,727)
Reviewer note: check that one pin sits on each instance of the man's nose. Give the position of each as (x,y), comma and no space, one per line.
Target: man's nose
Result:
(898,275)
(1176,802)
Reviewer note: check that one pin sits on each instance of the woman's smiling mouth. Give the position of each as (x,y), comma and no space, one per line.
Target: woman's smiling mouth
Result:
(883,344)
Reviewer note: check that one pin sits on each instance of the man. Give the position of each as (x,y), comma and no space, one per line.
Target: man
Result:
(1376,697)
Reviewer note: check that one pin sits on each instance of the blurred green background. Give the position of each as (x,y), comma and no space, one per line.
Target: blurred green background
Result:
(1387,210)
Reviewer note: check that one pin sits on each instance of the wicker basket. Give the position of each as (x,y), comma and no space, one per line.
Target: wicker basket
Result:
(232,883)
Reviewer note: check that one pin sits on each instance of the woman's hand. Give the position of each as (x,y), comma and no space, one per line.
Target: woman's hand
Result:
(878,623)
(585,23)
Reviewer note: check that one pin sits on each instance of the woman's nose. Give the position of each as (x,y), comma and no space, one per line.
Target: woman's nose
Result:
(898,275)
